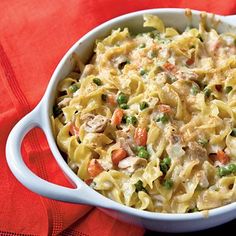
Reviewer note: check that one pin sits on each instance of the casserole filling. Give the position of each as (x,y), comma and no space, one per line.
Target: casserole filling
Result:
(150,121)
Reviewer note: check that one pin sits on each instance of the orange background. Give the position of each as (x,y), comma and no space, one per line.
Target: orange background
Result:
(34,36)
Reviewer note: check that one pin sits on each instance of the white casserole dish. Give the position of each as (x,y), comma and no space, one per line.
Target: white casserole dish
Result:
(83,194)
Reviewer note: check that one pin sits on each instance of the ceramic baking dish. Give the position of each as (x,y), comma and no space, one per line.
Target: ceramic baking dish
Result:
(83,194)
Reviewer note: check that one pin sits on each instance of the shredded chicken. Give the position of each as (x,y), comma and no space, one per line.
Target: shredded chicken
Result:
(88,70)
(95,124)
(186,75)
(64,102)
(106,164)
(203,181)
(196,152)
(175,138)
(125,140)
(87,116)
(124,144)
(132,163)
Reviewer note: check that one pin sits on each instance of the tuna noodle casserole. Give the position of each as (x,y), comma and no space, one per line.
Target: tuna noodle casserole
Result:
(150,121)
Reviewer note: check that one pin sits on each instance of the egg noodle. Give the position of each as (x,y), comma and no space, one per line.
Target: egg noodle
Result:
(150,121)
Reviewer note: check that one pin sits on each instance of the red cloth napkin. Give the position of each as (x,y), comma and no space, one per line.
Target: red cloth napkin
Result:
(34,36)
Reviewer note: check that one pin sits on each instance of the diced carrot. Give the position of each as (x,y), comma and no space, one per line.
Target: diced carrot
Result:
(164,108)
(222,157)
(117,116)
(94,168)
(118,155)
(111,99)
(88,181)
(140,136)
(169,67)
(74,130)
(190,61)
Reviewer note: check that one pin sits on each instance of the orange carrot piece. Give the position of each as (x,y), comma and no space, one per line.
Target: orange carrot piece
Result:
(88,181)
(111,99)
(94,168)
(118,155)
(222,157)
(140,136)
(190,61)
(117,116)
(164,108)
(169,67)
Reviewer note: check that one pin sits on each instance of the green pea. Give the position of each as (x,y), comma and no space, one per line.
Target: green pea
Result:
(232,168)
(143,72)
(97,81)
(143,153)
(163,167)
(143,45)
(168,183)
(222,171)
(131,120)
(163,118)
(124,106)
(207,92)
(56,110)
(228,89)
(153,54)
(165,164)
(138,148)
(233,132)
(203,142)
(143,105)
(194,90)
(167,160)
(73,88)
(104,97)
(122,98)
(139,186)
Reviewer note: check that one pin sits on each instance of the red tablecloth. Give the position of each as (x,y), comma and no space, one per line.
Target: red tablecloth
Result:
(34,35)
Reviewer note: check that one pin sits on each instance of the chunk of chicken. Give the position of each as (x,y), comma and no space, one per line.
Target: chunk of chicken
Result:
(203,181)
(196,152)
(87,116)
(175,139)
(132,163)
(64,102)
(95,124)
(124,144)
(126,141)
(186,75)
(88,70)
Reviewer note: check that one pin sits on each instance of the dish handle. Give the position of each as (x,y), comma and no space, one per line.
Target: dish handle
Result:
(26,176)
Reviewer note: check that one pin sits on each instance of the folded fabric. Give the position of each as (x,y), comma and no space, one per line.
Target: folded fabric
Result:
(34,36)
